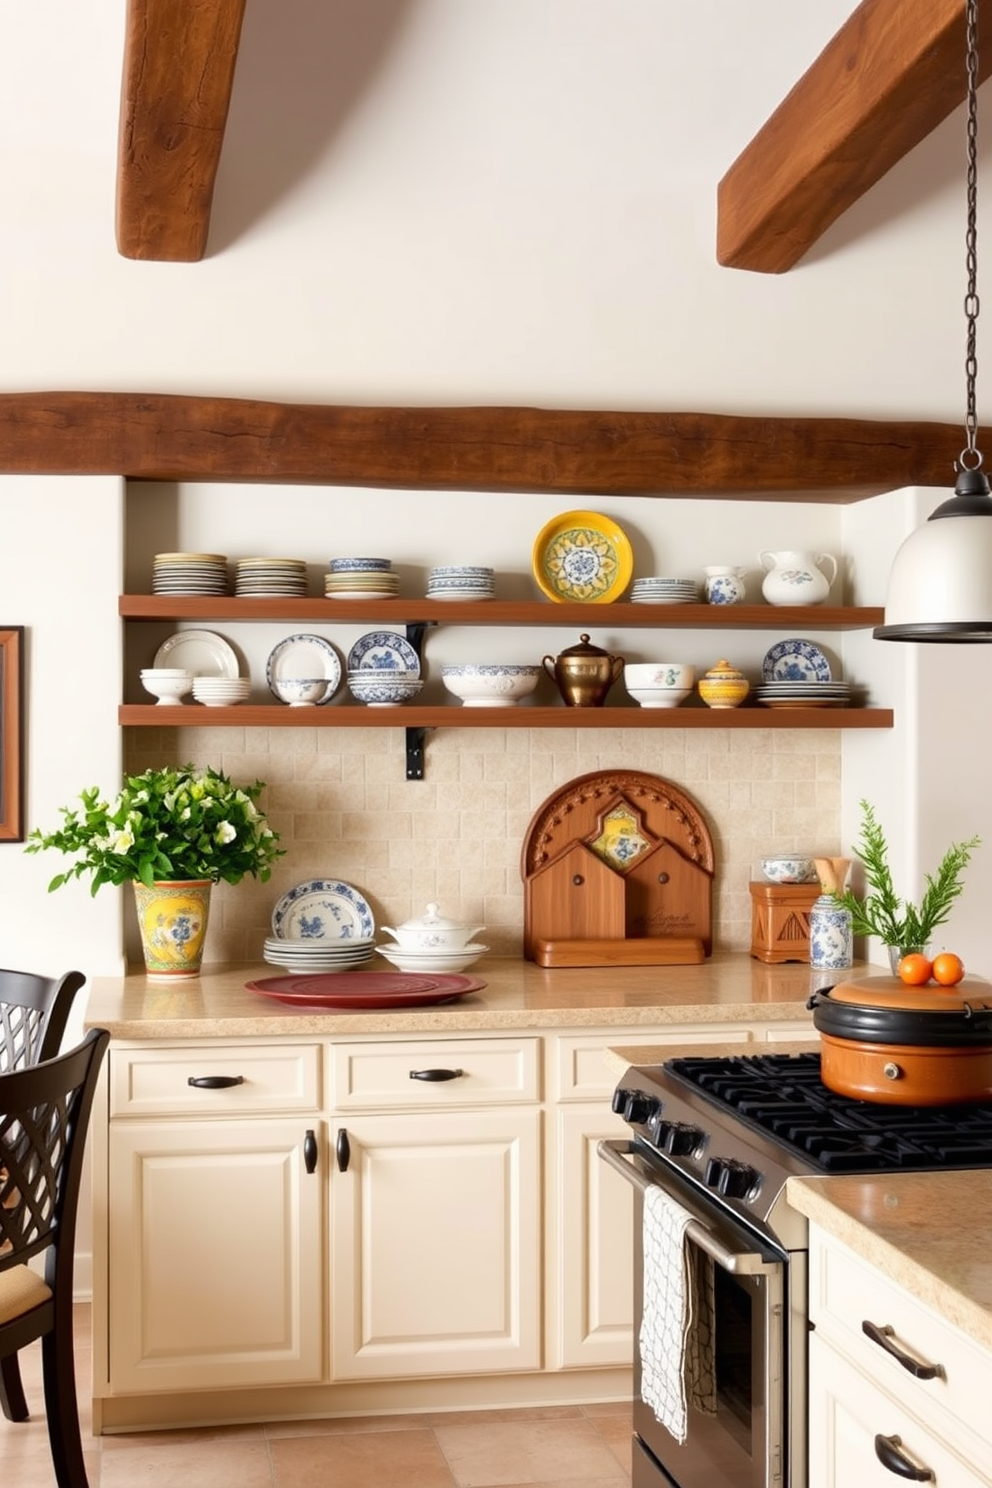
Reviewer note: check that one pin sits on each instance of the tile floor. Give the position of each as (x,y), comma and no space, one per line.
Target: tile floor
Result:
(558,1447)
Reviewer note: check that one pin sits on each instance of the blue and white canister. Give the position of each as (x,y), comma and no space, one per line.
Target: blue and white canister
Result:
(831,939)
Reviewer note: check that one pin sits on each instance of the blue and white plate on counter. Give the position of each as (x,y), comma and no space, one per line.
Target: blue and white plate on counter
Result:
(795,661)
(323,909)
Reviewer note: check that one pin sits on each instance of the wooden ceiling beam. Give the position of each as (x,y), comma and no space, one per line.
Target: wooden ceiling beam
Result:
(890,75)
(179,60)
(566,451)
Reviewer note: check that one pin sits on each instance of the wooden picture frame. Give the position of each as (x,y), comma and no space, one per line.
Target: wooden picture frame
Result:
(11,733)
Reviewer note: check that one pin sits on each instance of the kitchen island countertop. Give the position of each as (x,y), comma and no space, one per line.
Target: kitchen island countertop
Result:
(729,987)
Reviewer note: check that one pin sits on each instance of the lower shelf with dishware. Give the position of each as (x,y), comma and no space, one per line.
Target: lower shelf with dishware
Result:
(275,715)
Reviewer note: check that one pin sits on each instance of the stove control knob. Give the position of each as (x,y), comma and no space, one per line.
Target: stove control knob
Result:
(681,1139)
(733,1179)
(637,1106)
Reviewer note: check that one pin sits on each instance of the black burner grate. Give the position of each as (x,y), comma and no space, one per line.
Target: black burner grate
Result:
(783,1096)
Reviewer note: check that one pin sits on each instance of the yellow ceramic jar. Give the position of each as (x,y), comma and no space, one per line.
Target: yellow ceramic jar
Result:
(723,686)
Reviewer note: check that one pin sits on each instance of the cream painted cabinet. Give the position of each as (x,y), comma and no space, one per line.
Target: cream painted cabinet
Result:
(435,1209)
(214,1219)
(907,1397)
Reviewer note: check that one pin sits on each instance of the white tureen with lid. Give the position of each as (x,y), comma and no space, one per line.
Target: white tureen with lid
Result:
(433,932)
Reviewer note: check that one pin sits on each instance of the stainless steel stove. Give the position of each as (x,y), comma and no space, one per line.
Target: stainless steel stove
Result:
(721,1135)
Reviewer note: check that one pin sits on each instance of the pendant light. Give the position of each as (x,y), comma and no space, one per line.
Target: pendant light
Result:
(940,587)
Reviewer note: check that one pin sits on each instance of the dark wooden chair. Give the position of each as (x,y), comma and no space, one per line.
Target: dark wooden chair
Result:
(34,1011)
(44,1117)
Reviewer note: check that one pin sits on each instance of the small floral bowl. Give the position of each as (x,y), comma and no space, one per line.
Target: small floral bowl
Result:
(781,869)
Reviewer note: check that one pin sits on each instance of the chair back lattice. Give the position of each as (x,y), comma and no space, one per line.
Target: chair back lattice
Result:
(44,1114)
(33,1014)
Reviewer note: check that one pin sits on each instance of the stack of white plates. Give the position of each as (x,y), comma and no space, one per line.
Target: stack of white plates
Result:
(802,694)
(436,959)
(303,956)
(259,577)
(360,578)
(189,573)
(664,591)
(461,581)
(221,692)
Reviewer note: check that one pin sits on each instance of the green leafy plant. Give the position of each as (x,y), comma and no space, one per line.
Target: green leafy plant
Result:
(881,912)
(166,825)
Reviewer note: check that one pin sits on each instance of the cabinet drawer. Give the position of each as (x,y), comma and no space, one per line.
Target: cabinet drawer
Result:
(581,1070)
(845,1292)
(387,1076)
(156,1081)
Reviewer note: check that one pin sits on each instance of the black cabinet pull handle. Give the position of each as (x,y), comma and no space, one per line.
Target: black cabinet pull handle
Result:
(215,1082)
(310,1151)
(883,1337)
(887,1450)
(342,1148)
(436,1074)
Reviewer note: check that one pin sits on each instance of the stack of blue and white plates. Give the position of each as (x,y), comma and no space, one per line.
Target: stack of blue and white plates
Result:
(189,573)
(461,581)
(360,578)
(305,956)
(664,591)
(795,673)
(262,577)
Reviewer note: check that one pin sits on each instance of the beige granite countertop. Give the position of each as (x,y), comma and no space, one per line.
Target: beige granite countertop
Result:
(929,1232)
(727,987)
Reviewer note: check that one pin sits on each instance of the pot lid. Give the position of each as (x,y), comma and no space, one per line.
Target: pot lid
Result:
(433,919)
(883,1010)
(582,648)
(891,992)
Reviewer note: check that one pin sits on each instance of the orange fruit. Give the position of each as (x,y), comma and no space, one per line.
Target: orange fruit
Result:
(948,969)
(915,970)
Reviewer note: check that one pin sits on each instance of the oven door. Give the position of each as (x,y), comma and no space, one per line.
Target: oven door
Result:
(741,1443)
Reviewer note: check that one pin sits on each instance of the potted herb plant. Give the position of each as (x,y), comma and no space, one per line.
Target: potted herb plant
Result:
(172,832)
(901,925)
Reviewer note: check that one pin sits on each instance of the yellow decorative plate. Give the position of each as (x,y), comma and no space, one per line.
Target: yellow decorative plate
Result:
(582,557)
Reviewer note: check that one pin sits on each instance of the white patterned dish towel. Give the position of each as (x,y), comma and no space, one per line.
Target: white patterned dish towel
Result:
(676,1338)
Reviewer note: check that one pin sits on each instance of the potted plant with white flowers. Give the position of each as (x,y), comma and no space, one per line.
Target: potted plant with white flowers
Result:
(172,832)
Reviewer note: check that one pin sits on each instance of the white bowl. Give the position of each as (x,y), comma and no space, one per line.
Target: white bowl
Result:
(433,931)
(496,685)
(432,960)
(788,868)
(658,674)
(300,692)
(170,689)
(659,697)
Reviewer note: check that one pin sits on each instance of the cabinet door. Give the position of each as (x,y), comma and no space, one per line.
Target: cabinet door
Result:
(595,1250)
(215,1271)
(435,1245)
(851,1420)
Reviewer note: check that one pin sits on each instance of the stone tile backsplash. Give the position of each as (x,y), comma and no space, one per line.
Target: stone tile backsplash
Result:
(344,809)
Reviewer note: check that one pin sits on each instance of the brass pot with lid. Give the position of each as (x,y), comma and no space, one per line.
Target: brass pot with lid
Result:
(584,673)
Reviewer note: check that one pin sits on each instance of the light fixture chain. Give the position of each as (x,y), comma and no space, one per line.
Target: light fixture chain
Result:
(971,456)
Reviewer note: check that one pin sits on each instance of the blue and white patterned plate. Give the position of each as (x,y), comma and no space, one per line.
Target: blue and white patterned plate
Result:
(383,650)
(795,661)
(304,656)
(323,909)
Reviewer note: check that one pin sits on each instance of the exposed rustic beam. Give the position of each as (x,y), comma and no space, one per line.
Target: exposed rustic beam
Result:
(893,71)
(570,452)
(179,58)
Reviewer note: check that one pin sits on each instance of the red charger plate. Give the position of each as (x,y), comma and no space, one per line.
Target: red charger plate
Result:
(365,989)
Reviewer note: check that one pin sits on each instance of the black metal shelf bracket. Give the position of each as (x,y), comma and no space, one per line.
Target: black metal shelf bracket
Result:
(415,753)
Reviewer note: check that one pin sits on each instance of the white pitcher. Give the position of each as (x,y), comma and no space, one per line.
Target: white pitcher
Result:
(724,585)
(796,578)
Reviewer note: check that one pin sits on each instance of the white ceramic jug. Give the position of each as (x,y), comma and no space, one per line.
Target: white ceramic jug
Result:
(724,585)
(795,578)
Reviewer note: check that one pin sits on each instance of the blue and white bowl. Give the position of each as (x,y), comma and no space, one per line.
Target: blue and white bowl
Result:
(788,869)
(383,689)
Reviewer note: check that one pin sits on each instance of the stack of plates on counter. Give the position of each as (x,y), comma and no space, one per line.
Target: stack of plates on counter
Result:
(461,581)
(664,591)
(260,577)
(321,925)
(189,573)
(360,578)
(221,692)
(796,674)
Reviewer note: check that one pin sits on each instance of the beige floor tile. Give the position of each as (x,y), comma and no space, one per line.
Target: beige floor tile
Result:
(249,1431)
(624,1408)
(363,1460)
(164,1463)
(506,1413)
(526,1452)
(617,1433)
(343,1425)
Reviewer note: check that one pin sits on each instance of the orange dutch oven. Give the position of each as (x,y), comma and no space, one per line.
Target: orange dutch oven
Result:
(881,1040)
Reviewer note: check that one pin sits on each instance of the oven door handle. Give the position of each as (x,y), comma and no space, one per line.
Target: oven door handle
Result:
(740,1263)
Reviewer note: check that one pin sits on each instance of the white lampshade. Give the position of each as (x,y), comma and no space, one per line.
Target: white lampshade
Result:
(940,587)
